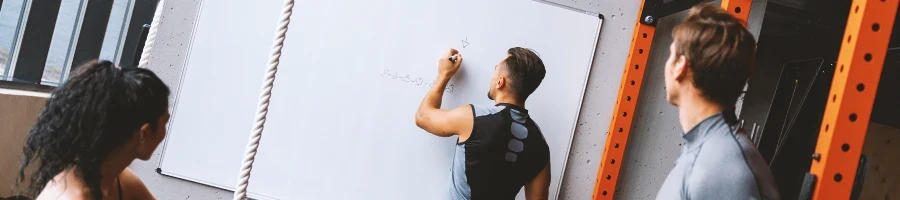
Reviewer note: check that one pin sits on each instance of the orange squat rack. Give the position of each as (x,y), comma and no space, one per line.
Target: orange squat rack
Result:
(852,94)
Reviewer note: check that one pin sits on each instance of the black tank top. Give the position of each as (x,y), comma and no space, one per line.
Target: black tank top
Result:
(505,151)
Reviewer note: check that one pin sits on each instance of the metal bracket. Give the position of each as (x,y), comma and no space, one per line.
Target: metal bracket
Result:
(809,180)
(139,47)
(655,9)
(861,172)
(809,184)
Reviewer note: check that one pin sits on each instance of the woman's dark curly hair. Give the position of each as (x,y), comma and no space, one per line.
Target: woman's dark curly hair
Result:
(86,118)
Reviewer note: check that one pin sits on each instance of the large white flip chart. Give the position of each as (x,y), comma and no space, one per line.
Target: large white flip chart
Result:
(341,118)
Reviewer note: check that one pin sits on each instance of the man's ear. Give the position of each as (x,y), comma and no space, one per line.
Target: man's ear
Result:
(680,69)
(501,82)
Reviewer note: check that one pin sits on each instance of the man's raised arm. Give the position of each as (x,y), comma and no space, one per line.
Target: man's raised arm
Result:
(444,122)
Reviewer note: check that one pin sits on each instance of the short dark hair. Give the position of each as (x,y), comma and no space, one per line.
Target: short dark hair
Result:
(86,118)
(719,51)
(526,71)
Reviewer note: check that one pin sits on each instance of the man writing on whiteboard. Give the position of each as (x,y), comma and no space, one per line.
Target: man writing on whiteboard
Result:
(499,148)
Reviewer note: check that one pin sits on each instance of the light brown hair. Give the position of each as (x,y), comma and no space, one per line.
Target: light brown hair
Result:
(719,52)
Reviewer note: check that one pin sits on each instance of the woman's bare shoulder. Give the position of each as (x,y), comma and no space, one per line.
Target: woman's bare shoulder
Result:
(63,186)
(133,187)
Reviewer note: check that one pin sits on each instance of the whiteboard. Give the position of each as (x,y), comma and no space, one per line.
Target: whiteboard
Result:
(341,119)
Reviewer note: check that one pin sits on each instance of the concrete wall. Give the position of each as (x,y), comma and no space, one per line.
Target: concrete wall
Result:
(18,111)
(649,156)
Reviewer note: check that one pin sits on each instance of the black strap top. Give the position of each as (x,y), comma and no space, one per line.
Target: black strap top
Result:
(119,183)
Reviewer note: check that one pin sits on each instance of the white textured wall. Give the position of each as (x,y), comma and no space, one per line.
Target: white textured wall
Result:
(651,148)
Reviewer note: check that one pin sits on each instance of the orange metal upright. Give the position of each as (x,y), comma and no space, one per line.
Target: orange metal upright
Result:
(629,88)
(739,8)
(853,89)
(626,101)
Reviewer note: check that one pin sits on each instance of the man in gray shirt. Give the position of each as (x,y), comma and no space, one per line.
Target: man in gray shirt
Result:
(709,63)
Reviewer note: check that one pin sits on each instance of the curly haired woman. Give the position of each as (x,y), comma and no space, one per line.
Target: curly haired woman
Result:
(91,129)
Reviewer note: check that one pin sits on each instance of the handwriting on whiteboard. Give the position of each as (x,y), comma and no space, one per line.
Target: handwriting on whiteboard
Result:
(465,42)
(417,81)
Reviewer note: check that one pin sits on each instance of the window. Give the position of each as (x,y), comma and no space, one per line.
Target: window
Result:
(116,30)
(82,30)
(62,44)
(11,14)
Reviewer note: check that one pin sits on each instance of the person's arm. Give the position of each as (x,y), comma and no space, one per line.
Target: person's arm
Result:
(443,122)
(539,186)
(133,187)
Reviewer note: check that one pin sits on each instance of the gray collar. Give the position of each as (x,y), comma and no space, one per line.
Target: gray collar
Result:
(697,135)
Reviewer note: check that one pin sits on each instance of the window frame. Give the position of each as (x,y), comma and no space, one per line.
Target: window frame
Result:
(8,74)
(137,14)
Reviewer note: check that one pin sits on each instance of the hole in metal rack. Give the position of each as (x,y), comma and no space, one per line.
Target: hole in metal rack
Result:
(876,27)
(852,118)
(608,177)
(845,147)
(826,127)
(612,161)
(637,67)
(616,145)
(604,193)
(737,10)
(849,38)
(868,57)
(624,114)
(645,35)
(620,129)
(860,87)
(632,82)
(833,98)
(628,98)
(838,177)
(641,51)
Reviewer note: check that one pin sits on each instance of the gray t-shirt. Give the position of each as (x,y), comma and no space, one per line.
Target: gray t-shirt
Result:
(718,163)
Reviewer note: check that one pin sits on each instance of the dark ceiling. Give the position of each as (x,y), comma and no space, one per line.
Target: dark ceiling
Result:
(786,17)
(817,18)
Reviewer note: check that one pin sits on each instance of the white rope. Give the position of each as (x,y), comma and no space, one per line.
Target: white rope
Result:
(240,192)
(151,36)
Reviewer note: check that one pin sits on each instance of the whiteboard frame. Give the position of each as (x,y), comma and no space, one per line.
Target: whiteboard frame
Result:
(587,75)
(252,195)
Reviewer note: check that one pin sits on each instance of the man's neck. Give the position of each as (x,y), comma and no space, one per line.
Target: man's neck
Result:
(509,100)
(693,109)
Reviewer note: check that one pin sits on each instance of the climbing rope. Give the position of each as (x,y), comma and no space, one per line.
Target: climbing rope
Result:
(240,192)
(151,36)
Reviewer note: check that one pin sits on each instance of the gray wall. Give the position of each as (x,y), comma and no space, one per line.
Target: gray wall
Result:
(652,148)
